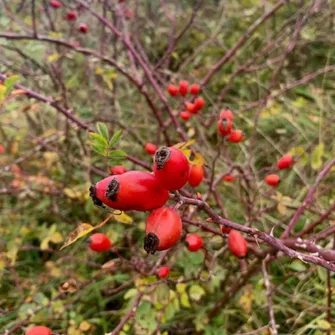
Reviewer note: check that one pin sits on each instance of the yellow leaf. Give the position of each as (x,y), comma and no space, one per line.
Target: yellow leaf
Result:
(184,145)
(281,208)
(181,287)
(323,324)
(14,147)
(53,57)
(122,217)
(45,243)
(73,331)
(84,326)
(82,230)
(3,90)
(53,270)
(185,301)
(56,238)
(194,158)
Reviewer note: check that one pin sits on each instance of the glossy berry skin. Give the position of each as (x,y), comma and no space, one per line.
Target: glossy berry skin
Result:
(272,180)
(224,126)
(194,242)
(71,16)
(199,104)
(195,89)
(39,330)
(183,87)
(117,169)
(150,148)
(185,115)
(236,136)
(196,175)
(228,178)
(83,28)
(55,4)
(2,149)
(285,162)
(237,244)
(99,242)
(226,113)
(225,230)
(171,168)
(132,190)
(163,272)
(190,107)
(163,230)
(173,90)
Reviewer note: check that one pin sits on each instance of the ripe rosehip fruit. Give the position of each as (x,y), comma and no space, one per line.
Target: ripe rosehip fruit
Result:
(224,126)
(190,107)
(132,190)
(226,114)
(185,115)
(99,242)
(55,4)
(183,87)
(272,180)
(196,175)
(117,169)
(83,28)
(195,89)
(163,230)
(173,90)
(150,148)
(71,16)
(171,168)
(225,230)
(199,104)
(285,162)
(39,330)
(194,242)
(163,272)
(236,136)
(2,149)
(237,244)
(228,177)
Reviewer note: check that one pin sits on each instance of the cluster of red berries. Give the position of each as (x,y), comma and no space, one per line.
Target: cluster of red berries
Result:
(225,127)
(70,16)
(285,162)
(184,88)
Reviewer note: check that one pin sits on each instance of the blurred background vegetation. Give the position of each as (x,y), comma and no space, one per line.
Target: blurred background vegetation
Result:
(47,165)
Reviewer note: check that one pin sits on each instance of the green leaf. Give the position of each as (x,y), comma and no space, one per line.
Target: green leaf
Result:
(98,139)
(196,292)
(297,265)
(99,149)
(145,316)
(115,139)
(102,130)
(117,154)
(130,294)
(316,157)
(185,301)
(10,82)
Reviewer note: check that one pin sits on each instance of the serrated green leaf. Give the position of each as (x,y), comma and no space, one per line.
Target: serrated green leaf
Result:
(117,154)
(99,149)
(10,82)
(98,139)
(115,139)
(316,157)
(102,130)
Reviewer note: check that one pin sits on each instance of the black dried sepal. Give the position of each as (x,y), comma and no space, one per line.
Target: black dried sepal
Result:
(95,200)
(112,190)
(151,243)
(162,155)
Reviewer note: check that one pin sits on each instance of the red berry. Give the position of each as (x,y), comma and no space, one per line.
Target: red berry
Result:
(199,103)
(226,113)
(196,175)
(99,242)
(225,230)
(117,169)
(163,272)
(190,107)
(195,89)
(39,330)
(171,168)
(132,190)
(71,16)
(228,177)
(183,87)
(272,180)
(185,115)
(150,148)
(173,90)
(56,4)
(224,126)
(237,244)
(2,149)
(285,162)
(236,136)
(163,230)
(194,242)
(83,28)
